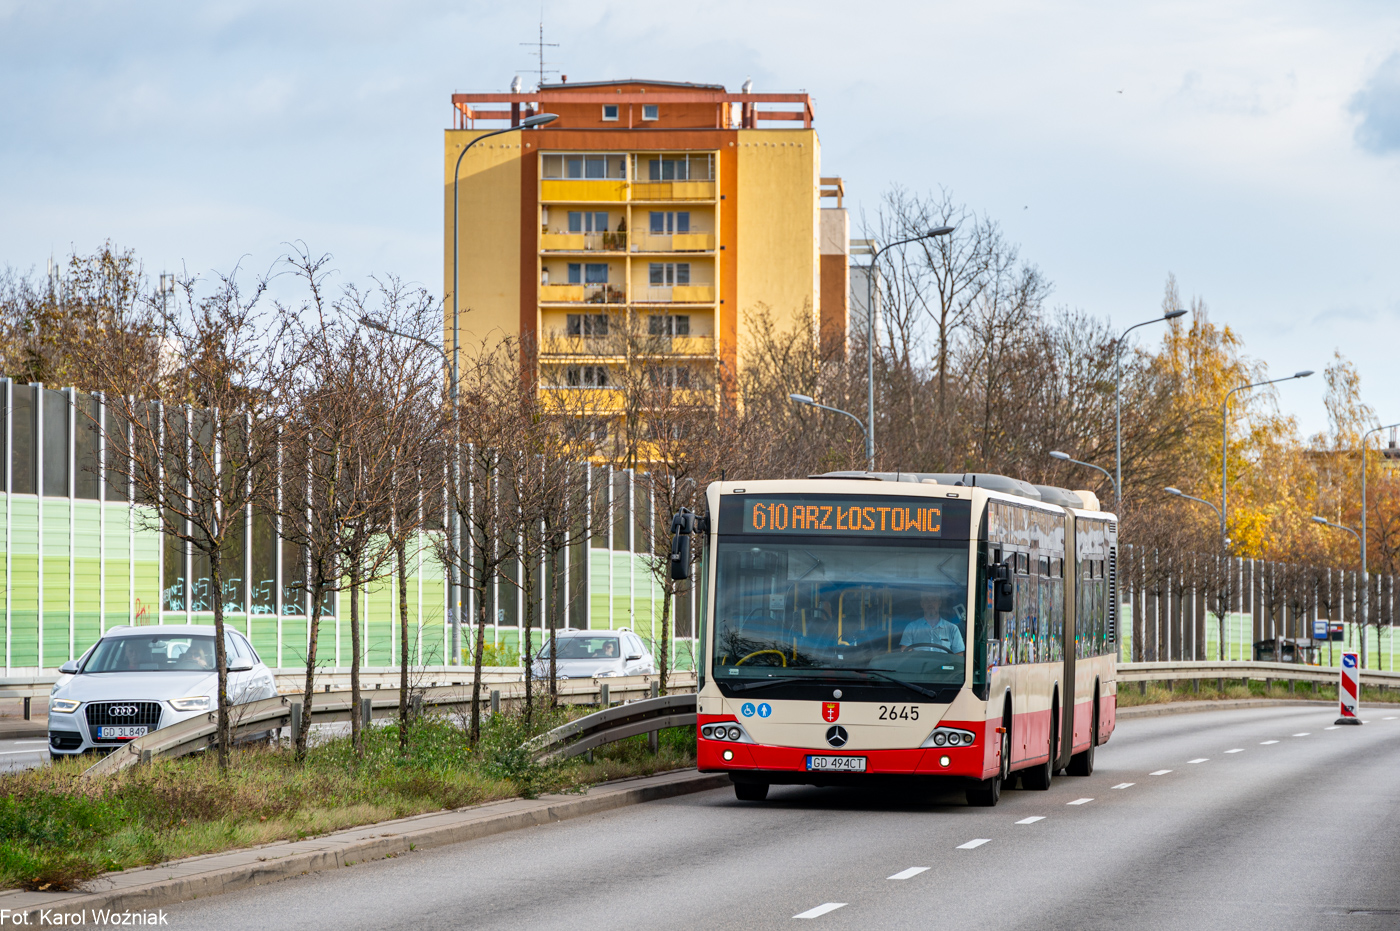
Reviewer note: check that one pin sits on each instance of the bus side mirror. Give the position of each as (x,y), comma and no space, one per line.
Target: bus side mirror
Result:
(1005,589)
(680,556)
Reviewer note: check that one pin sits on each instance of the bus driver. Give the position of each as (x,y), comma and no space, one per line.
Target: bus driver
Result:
(936,630)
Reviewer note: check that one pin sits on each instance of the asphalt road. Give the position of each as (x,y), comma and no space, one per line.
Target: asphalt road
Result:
(23,753)
(1258,818)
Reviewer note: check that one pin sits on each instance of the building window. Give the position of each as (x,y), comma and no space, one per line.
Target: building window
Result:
(679,167)
(581,166)
(587,325)
(588,221)
(650,111)
(588,273)
(610,111)
(670,376)
(670,221)
(586,376)
(668,325)
(668,274)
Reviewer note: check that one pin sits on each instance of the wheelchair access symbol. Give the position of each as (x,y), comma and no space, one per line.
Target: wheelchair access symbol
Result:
(747,709)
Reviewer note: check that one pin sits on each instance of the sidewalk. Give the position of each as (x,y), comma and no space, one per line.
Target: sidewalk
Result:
(151,887)
(14,727)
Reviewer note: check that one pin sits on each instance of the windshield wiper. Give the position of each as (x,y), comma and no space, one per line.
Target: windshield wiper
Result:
(745,686)
(884,675)
(785,680)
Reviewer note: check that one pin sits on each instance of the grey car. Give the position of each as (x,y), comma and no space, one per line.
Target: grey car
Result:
(137,679)
(587,654)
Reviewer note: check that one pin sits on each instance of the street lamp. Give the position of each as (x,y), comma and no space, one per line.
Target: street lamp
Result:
(1225,443)
(1364,570)
(1365,581)
(804,399)
(1065,457)
(870,338)
(1118,404)
(530,122)
(454,583)
(1178,493)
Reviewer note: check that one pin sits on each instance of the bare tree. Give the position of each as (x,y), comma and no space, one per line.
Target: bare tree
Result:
(198,443)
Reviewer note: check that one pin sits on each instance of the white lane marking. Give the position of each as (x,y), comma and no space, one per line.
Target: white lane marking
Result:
(1124,785)
(1236,750)
(27,741)
(1160,772)
(20,752)
(975,843)
(909,873)
(1334,727)
(1303,734)
(1080,801)
(821,910)
(1032,819)
(1365,720)
(1391,718)
(1267,742)
(1199,760)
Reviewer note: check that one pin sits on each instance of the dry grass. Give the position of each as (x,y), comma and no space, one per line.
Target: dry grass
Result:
(58,830)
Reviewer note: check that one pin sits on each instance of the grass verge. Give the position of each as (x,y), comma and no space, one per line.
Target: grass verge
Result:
(1132,694)
(58,830)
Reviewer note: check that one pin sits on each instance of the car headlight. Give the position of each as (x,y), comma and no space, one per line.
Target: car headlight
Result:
(605,673)
(63,705)
(191,703)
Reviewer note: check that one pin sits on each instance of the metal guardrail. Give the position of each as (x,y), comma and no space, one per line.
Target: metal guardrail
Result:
(613,724)
(196,734)
(1255,671)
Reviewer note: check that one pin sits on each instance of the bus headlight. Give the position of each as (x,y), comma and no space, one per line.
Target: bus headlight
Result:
(949,737)
(726,730)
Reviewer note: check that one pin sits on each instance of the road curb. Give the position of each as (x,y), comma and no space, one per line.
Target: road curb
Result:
(1186,707)
(147,888)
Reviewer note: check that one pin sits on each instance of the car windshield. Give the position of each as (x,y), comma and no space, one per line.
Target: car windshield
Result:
(600,648)
(810,608)
(152,653)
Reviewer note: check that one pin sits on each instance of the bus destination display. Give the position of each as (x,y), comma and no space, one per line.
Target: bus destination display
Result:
(844,516)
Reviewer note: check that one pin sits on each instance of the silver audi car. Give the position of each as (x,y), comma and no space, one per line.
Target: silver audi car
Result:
(137,679)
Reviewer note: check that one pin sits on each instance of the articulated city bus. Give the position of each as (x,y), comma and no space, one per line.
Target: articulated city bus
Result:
(862,625)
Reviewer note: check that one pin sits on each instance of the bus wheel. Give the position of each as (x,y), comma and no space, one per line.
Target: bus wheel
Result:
(1037,778)
(988,792)
(751,791)
(1082,764)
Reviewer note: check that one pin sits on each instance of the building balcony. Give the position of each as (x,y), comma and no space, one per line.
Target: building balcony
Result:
(674,242)
(572,191)
(678,294)
(582,294)
(679,345)
(583,242)
(576,348)
(673,190)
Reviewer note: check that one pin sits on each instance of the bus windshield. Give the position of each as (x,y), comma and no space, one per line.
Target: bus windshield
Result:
(811,607)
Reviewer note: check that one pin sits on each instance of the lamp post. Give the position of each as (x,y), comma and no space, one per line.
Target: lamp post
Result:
(1365,582)
(454,584)
(539,119)
(870,340)
(1365,437)
(1118,404)
(1065,457)
(1224,589)
(804,399)
(1225,445)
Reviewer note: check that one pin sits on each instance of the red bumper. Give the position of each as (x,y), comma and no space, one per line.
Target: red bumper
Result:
(970,762)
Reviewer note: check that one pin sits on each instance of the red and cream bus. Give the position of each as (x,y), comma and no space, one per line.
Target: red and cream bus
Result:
(863,625)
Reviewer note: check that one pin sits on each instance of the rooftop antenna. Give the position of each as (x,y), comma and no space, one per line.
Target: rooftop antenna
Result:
(540,45)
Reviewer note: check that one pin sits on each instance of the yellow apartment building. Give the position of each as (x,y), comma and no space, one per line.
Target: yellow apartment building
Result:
(647,221)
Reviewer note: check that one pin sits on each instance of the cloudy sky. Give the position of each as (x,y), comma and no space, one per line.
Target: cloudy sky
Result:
(1252,148)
